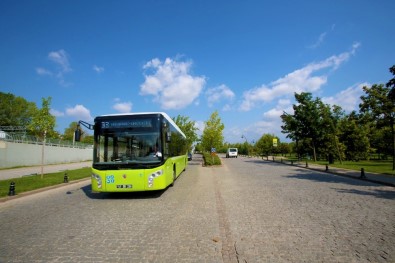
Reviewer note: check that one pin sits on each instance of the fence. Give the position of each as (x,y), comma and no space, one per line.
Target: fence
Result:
(23,150)
(23,138)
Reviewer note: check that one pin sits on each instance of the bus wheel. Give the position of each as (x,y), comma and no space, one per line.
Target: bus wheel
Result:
(174,177)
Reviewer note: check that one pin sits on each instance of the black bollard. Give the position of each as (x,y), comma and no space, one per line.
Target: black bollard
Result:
(326,168)
(292,162)
(12,189)
(65,178)
(307,165)
(363,176)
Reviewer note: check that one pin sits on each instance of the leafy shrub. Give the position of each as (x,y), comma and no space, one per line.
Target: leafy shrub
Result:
(211,159)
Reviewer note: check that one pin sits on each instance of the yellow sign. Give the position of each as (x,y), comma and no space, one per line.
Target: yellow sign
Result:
(275,142)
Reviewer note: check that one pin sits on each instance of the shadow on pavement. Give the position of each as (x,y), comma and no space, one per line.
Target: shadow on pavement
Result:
(317,176)
(259,161)
(126,195)
(386,194)
(330,178)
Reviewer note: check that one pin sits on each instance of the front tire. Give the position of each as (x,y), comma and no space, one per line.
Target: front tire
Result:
(174,177)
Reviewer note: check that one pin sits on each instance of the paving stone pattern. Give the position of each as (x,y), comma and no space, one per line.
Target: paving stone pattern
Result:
(244,211)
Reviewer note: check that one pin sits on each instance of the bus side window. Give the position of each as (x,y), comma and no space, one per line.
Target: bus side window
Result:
(168,137)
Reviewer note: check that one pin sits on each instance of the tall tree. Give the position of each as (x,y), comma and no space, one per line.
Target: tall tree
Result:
(314,124)
(265,144)
(306,121)
(212,136)
(68,134)
(391,95)
(15,111)
(42,124)
(391,84)
(354,135)
(329,123)
(378,104)
(189,128)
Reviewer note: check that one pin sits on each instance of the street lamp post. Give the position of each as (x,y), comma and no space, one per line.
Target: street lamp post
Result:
(248,151)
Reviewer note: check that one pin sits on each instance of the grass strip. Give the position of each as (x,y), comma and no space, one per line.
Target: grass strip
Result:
(370,166)
(33,182)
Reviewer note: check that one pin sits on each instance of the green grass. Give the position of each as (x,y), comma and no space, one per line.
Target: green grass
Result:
(373,166)
(29,183)
(381,167)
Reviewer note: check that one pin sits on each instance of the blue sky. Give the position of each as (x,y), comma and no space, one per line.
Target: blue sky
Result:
(245,59)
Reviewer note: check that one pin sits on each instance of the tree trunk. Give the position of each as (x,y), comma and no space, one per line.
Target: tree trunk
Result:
(338,150)
(393,144)
(314,154)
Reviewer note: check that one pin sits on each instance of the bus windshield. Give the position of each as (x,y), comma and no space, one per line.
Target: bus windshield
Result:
(128,147)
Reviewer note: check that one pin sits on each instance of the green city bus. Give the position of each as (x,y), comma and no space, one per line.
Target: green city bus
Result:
(137,152)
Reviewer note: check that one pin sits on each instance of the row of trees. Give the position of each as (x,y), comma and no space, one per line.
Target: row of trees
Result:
(323,131)
(326,131)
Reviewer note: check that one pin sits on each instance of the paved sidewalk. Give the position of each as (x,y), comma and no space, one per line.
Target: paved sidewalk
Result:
(371,177)
(32,170)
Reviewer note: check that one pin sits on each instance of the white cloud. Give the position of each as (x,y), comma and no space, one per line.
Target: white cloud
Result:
(79,112)
(200,126)
(43,72)
(321,38)
(98,69)
(56,113)
(123,107)
(319,41)
(226,107)
(300,80)
(219,93)
(275,113)
(60,58)
(349,99)
(171,83)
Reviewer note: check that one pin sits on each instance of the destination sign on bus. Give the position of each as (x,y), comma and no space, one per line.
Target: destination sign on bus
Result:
(138,123)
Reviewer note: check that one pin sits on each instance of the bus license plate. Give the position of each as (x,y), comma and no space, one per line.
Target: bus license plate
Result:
(124,186)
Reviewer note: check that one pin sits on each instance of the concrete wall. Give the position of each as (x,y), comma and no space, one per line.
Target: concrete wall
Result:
(22,154)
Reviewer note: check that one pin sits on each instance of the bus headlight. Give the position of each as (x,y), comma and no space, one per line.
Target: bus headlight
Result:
(98,180)
(152,176)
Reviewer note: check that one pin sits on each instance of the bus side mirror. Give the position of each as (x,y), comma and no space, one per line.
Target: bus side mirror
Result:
(168,136)
(77,135)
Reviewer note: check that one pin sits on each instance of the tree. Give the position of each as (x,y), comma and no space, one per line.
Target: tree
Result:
(355,138)
(306,121)
(379,106)
(212,136)
(284,148)
(264,145)
(391,84)
(315,125)
(329,123)
(189,128)
(15,111)
(43,123)
(69,132)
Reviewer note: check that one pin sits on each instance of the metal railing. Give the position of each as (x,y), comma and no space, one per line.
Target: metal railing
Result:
(29,139)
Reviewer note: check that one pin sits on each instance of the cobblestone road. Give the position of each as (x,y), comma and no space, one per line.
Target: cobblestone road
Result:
(245,211)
